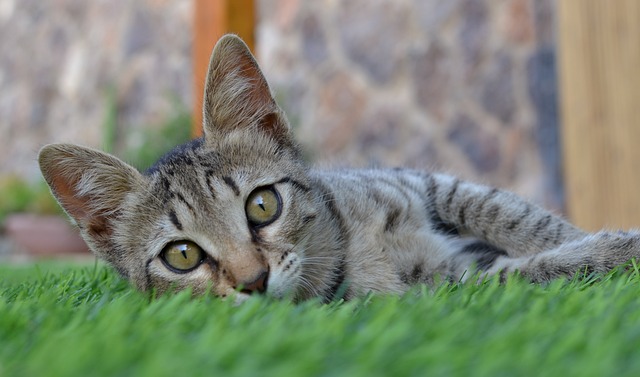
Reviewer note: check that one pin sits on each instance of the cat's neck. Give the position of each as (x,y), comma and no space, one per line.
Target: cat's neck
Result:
(325,244)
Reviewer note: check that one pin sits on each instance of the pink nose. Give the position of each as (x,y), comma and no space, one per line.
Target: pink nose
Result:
(257,285)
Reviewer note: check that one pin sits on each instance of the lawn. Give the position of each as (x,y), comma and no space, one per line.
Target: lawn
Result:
(58,320)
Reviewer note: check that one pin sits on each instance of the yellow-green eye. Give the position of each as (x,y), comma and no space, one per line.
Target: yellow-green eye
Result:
(182,256)
(263,206)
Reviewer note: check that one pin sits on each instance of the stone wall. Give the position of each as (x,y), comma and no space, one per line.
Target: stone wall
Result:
(67,65)
(465,86)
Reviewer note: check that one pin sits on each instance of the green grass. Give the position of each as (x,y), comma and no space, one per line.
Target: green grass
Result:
(85,321)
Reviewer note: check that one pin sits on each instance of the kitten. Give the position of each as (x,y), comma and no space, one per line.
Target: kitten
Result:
(238,212)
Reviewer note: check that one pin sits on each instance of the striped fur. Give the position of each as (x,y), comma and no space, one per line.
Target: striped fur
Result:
(337,233)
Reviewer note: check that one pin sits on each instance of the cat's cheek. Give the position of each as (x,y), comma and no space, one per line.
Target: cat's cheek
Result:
(285,278)
(279,291)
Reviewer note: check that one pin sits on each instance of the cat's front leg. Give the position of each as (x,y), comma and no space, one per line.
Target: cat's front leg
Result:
(499,217)
(599,253)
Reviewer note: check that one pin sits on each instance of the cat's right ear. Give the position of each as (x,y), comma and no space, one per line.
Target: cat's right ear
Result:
(90,185)
(237,95)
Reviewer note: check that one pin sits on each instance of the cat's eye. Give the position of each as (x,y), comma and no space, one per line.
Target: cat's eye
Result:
(182,256)
(263,206)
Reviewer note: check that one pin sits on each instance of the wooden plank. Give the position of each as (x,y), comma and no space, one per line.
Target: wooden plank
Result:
(211,20)
(599,50)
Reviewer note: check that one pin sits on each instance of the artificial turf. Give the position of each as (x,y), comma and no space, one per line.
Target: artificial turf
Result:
(86,321)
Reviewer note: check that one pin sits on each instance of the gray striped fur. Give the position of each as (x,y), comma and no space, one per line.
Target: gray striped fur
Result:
(340,233)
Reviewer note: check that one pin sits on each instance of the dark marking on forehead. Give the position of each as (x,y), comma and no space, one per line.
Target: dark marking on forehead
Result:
(180,155)
(183,200)
(174,219)
(166,184)
(187,160)
(209,175)
(210,160)
(232,184)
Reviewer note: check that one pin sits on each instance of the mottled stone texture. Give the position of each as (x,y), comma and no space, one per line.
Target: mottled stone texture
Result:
(464,86)
(373,34)
(64,63)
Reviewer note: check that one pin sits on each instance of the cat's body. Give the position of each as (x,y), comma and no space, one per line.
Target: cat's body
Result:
(238,212)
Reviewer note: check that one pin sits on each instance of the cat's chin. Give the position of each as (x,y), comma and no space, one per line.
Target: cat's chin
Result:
(283,288)
(240,298)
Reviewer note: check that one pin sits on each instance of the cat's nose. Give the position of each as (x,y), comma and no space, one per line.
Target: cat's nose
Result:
(257,285)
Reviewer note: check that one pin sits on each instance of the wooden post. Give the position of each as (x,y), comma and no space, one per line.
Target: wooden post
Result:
(211,20)
(599,49)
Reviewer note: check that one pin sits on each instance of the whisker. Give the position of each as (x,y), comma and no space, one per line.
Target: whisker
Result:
(310,288)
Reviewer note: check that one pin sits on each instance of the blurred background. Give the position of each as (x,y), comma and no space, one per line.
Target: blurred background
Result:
(469,87)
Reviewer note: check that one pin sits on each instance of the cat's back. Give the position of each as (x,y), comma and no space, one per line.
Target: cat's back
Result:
(386,202)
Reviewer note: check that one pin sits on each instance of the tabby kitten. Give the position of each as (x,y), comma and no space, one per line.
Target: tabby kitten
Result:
(238,212)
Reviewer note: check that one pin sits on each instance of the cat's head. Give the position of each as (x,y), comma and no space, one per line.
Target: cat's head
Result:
(227,212)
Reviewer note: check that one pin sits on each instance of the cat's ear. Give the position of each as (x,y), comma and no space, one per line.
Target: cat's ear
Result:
(90,185)
(237,95)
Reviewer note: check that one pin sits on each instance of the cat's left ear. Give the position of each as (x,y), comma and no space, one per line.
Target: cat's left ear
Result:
(90,185)
(237,95)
